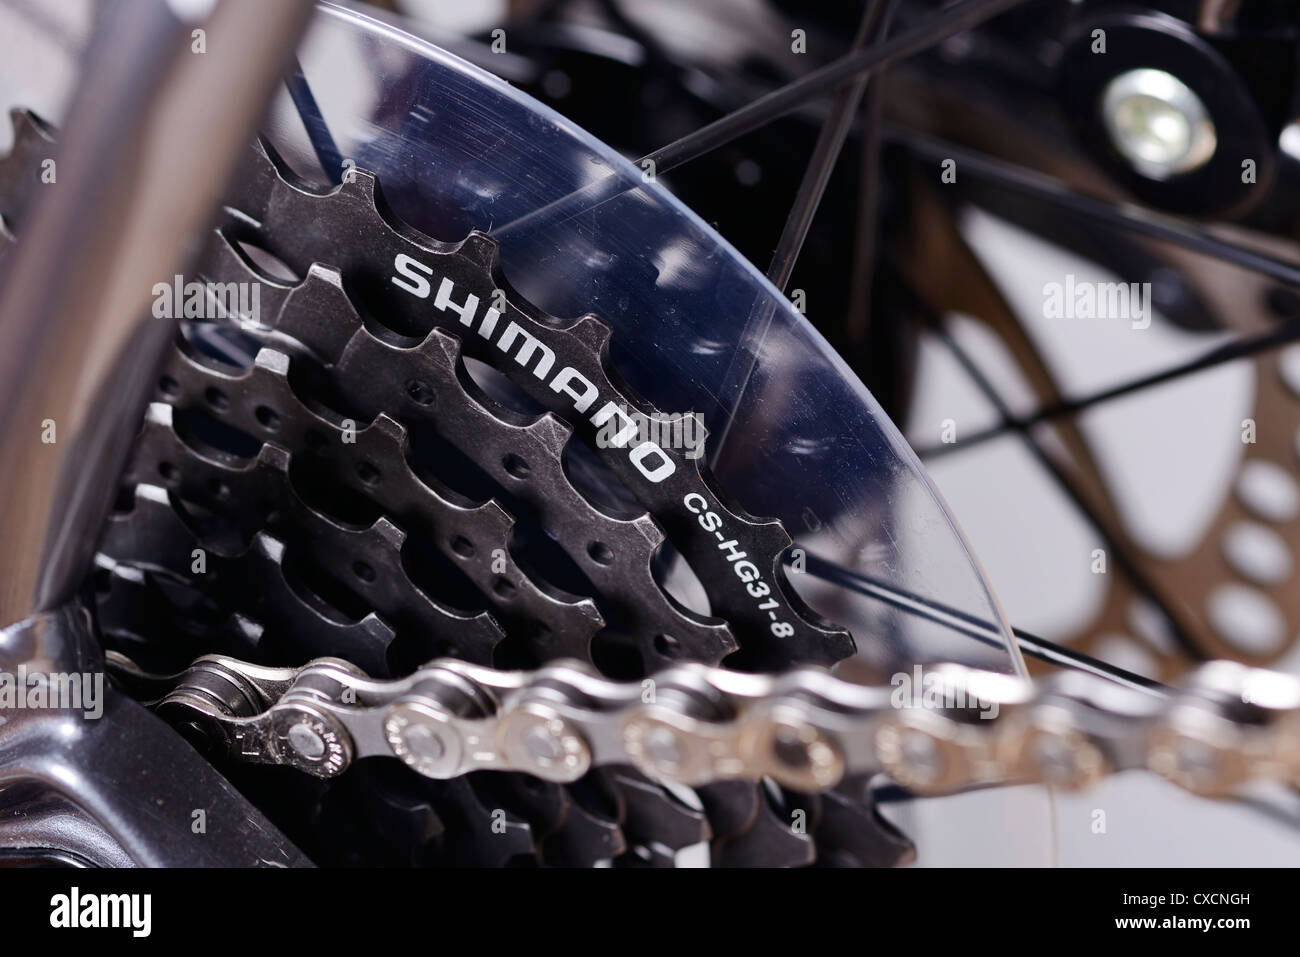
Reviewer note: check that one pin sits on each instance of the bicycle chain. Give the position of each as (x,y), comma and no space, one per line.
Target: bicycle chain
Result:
(159,610)
(694,725)
(742,822)
(702,726)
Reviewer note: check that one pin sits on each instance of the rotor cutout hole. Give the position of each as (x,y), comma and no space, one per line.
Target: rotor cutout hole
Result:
(1246,617)
(1257,553)
(1288,367)
(1268,490)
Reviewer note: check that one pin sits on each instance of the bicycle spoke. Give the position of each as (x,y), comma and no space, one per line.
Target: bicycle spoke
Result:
(767,108)
(781,101)
(864,249)
(1126,562)
(830,142)
(1048,189)
(1242,348)
(982,631)
(313,121)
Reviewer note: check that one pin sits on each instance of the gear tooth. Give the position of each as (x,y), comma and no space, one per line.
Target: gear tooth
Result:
(441,349)
(730,806)
(223,261)
(17,119)
(375,628)
(567,833)
(381,810)
(147,495)
(273,458)
(471,837)
(388,534)
(272,361)
(390,430)
(158,415)
(268,547)
(542,804)
(481,249)
(587,834)
(250,630)
(649,529)
(583,839)
(495,512)
(360,184)
(327,278)
(26,128)
(652,815)
(322,290)
(29,129)
(320,293)
(767,841)
(851,832)
(263,154)
(592,331)
(551,431)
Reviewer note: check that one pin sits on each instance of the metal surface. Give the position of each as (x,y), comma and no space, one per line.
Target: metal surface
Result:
(563,368)
(92,787)
(147,145)
(1157,123)
(947,729)
(753,831)
(151,137)
(317,325)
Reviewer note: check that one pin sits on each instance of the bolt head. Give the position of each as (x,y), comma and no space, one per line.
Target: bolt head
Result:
(1157,123)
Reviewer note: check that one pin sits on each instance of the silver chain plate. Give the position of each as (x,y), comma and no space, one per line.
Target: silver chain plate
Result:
(936,730)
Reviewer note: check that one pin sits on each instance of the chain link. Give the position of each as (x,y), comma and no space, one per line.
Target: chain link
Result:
(935,730)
